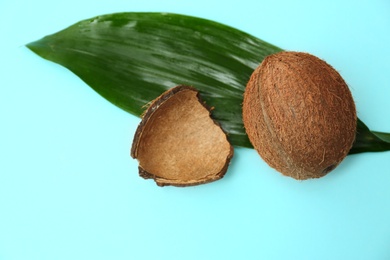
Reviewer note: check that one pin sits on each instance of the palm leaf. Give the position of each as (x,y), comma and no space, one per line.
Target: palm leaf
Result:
(131,58)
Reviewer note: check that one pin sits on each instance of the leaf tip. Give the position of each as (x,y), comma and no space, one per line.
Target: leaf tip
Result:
(39,47)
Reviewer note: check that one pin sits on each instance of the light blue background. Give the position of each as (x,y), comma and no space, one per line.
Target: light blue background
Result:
(69,189)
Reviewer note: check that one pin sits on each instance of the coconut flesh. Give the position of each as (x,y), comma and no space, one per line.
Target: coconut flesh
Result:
(178,143)
(299,114)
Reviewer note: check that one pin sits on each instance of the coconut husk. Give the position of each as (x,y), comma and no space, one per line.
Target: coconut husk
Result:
(299,114)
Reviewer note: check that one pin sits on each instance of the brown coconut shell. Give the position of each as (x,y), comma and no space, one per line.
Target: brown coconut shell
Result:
(178,143)
(299,114)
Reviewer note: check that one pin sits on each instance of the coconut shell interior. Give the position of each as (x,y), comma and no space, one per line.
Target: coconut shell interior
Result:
(178,143)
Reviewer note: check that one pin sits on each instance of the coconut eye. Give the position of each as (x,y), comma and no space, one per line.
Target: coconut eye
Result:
(329,168)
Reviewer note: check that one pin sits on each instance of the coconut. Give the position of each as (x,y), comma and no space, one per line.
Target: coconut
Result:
(299,114)
(178,143)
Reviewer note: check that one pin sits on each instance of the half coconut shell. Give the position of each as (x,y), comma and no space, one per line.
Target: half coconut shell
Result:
(178,143)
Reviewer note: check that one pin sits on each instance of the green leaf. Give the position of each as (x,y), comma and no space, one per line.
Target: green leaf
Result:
(369,141)
(131,58)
